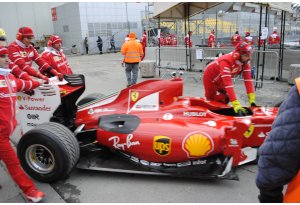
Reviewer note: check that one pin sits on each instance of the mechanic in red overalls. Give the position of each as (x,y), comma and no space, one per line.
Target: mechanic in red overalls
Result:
(274,38)
(236,38)
(212,39)
(187,39)
(15,70)
(22,53)
(248,38)
(144,43)
(217,77)
(9,85)
(55,56)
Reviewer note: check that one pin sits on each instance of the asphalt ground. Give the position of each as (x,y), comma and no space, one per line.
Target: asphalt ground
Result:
(104,74)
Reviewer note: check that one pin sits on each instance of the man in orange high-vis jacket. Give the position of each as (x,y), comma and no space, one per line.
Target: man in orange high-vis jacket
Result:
(279,155)
(133,51)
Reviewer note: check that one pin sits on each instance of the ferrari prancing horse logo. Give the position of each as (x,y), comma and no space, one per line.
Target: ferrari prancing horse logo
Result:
(134,96)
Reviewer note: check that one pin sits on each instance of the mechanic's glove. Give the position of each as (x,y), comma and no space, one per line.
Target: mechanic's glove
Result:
(238,109)
(29,92)
(251,97)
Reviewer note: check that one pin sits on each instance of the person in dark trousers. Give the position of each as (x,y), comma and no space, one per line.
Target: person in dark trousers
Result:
(100,44)
(86,45)
(112,43)
(279,155)
(133,51)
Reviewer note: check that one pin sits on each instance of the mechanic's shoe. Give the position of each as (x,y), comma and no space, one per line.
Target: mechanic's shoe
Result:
(128,85)
(34,195)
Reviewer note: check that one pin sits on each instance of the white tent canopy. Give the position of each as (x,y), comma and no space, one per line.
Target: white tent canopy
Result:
(177,10)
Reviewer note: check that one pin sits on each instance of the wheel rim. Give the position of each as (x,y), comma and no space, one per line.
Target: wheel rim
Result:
(40,159)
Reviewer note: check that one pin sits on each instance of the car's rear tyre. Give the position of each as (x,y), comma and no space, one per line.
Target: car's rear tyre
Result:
(89,98)
(48,152)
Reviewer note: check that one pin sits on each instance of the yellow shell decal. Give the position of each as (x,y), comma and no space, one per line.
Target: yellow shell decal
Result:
(134,96)
(19,98)
(197,144)
(162,145)
(249,132)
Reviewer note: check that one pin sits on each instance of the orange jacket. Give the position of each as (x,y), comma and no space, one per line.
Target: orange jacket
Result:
(292,194)
(132,50)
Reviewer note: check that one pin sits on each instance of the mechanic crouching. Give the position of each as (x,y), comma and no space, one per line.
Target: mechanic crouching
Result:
(55,56)
(279,155)
(217,77)
(9,85)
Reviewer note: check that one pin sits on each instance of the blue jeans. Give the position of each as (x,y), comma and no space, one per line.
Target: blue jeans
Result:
(132,68)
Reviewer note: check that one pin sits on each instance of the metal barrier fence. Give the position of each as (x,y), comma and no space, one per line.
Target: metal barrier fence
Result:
(193,61)
(266,68)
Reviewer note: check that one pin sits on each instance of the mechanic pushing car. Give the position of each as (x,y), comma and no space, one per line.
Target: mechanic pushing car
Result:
(15,70)
(55,56)
(22,53)
(9,85)
(217,78)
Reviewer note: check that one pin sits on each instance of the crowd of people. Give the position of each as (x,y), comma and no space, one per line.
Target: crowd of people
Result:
(171,39)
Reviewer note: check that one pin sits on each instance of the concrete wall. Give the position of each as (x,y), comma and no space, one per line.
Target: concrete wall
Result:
(68,25)
(35,15)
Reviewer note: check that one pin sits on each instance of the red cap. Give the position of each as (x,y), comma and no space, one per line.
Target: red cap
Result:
(3,51)
(243,48)
(26,31)
(53,40)
(247,33)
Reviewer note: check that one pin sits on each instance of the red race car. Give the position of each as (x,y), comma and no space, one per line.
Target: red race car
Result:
(148,128)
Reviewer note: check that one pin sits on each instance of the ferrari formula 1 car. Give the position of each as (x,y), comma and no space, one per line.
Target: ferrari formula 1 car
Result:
(148,128)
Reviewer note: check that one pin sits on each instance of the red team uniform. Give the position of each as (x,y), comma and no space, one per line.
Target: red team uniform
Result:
(56,58)
(217,78)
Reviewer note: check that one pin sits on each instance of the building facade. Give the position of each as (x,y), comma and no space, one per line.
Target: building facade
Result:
(78,20)
(14,15)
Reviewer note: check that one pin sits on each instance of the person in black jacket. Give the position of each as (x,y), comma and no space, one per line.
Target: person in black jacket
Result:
(279,155)
(100,44)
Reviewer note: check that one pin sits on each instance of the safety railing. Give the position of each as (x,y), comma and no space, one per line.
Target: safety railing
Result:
(194,60)
(264,67)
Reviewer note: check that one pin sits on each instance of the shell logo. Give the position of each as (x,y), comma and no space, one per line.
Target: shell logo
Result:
(197,144)
(134,96)
(19,98)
